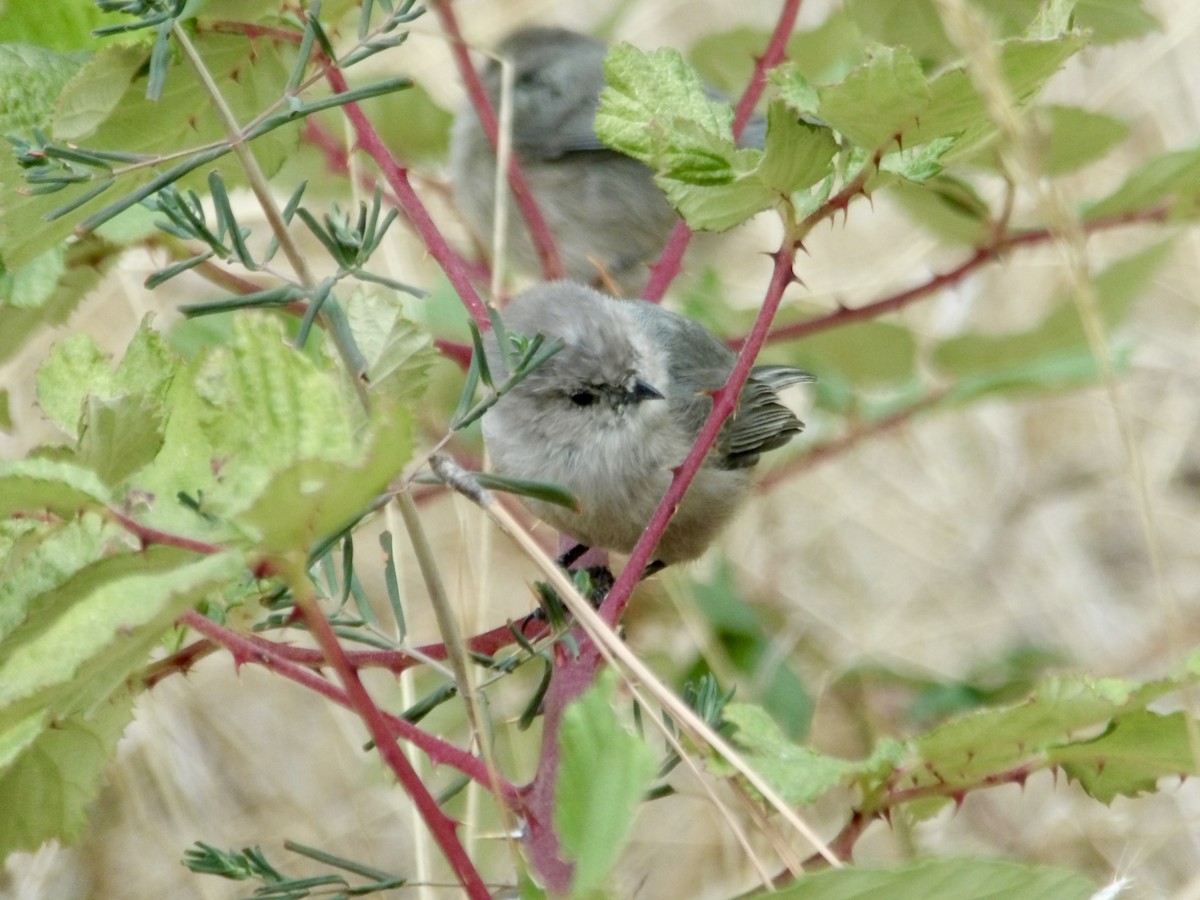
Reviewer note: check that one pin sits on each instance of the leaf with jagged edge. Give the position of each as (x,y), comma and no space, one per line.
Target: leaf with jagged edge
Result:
(399,353)
(603,773)
(33,570)
(76,636)
(800,774)
(958,755)
(117,415)
(1129,758)
(294,461)
(44,485)
(66,659)
(250,76)
(655,109)
(877,101)
(50,776)
(956,110)
(939,879)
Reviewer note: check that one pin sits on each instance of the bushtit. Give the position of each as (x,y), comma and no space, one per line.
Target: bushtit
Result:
(607,216)
(618,407)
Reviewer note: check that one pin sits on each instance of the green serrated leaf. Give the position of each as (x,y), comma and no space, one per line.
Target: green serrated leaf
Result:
(34,283)
(120,436)
(116,416)
(797,154)
(1131,756)
(82,274)
(942,879)
(43,565)
(716,208)
(35,485)
(48,784)
(649,103)
(956,110)
(74,656)
(800,775)
(879,101)
(399,354)
(974,746)
(248,76)
(75,368)
(656,109)
(268,406)
(31,77)
(312,498)
(95,91)
(603,773)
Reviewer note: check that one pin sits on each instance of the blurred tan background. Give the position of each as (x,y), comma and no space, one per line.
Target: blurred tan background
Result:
(931,549)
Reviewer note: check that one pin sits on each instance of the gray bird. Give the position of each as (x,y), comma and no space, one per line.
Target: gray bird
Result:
(618,407)
(608,217)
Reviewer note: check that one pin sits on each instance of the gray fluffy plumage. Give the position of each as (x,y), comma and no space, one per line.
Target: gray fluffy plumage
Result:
(619,406)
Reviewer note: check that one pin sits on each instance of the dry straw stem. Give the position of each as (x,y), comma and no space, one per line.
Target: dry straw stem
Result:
(456,654)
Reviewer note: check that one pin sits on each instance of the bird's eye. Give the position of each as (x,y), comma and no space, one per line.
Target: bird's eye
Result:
(582,398)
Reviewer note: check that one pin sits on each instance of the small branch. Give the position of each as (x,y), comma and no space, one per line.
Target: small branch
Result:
(442,827)
(148,535)
(576,665)
(539,230)
(669,262)
(990,252)
(178,663)
(247,649)
(724,402)
(395,661)
(842,846)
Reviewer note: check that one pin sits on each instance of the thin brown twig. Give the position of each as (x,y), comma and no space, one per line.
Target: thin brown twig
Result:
(992,251)
(441,826)
(246,649)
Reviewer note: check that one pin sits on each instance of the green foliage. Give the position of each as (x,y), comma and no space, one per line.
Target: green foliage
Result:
(747,642)
(1098,731)
(233,476)
(252,863)
(1055,352)
(944,879)
(604,771)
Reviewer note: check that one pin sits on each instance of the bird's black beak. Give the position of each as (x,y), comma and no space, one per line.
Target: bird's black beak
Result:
(643,391)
